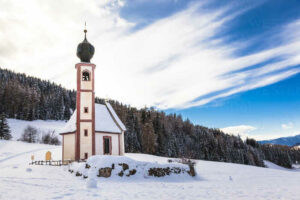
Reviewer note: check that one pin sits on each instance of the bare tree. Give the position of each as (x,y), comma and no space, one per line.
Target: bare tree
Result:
(50,138)
(30,135)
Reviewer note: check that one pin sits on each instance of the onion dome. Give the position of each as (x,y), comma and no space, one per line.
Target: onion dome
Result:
(85,50)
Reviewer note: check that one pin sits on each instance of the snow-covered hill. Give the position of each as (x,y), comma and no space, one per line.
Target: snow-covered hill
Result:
(289,141)
(43,126)
(217,180)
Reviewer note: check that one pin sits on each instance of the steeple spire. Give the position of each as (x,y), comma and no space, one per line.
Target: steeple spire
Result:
(85,31)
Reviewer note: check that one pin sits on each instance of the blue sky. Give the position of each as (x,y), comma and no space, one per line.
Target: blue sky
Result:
(273,110)
(268,109)
(232,64)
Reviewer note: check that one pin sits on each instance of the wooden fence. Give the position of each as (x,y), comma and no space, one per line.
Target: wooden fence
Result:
(53,162)
(49,162)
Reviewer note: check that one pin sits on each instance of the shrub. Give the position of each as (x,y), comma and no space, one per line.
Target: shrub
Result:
(30,135)
(50,138)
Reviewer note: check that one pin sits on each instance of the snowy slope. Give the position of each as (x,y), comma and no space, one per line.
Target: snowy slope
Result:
(17,126)
(217,180)
(271,165)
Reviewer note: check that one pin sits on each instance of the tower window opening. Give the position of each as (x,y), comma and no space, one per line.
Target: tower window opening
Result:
(86,110)
(85,76)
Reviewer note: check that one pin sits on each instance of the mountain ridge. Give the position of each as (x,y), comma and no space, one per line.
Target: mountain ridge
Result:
(288,141)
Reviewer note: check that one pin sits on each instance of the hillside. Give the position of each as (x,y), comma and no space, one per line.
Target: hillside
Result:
(289,141)
(17,126)
(215,180)
(148,130)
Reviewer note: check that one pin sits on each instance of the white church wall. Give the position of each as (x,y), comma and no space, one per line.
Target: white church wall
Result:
(69,146)
(86,101)
(85,141)
(87,85)
(114,143)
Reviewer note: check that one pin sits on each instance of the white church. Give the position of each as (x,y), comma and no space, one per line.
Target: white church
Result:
(93,129)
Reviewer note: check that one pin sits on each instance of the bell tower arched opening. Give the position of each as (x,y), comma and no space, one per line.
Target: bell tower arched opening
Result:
(86,75)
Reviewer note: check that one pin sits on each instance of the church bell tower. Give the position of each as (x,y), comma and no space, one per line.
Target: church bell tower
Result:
(85,101)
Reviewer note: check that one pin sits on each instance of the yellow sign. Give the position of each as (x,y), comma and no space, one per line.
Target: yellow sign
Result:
(48,156)
(32,157)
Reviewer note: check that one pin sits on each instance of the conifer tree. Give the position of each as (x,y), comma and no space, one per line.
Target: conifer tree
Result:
(4,128)
(148,138)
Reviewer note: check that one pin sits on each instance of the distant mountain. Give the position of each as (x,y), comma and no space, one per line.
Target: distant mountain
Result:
(289,141)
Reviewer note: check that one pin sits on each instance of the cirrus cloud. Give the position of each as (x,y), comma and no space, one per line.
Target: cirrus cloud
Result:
(179,61)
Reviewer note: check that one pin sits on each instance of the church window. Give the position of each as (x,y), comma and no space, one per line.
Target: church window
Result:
(86,110)
(85,132)
(107,145)
(85,155)
(85,76)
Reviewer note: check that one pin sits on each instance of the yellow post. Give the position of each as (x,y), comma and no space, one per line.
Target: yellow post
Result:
(48,156)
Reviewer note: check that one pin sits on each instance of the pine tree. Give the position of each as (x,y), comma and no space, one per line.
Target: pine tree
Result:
(131,140)
(4,128)
(148,138)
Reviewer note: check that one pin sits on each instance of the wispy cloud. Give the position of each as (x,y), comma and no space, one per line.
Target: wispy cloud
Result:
(241,130)
(289,125)
(176,62)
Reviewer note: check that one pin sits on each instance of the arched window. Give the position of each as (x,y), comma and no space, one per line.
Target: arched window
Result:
(85,76)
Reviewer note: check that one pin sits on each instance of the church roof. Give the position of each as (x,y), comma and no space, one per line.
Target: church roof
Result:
(106,120)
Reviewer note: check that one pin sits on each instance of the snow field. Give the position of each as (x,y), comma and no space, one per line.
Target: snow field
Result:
(216,180)
(43,126)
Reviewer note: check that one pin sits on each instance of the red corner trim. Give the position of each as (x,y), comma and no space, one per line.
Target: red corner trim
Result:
(93,125)
(77,147)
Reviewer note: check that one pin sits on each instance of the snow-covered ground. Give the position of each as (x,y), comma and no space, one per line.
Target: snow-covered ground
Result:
(136,169)
(43,126)
(217,180)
